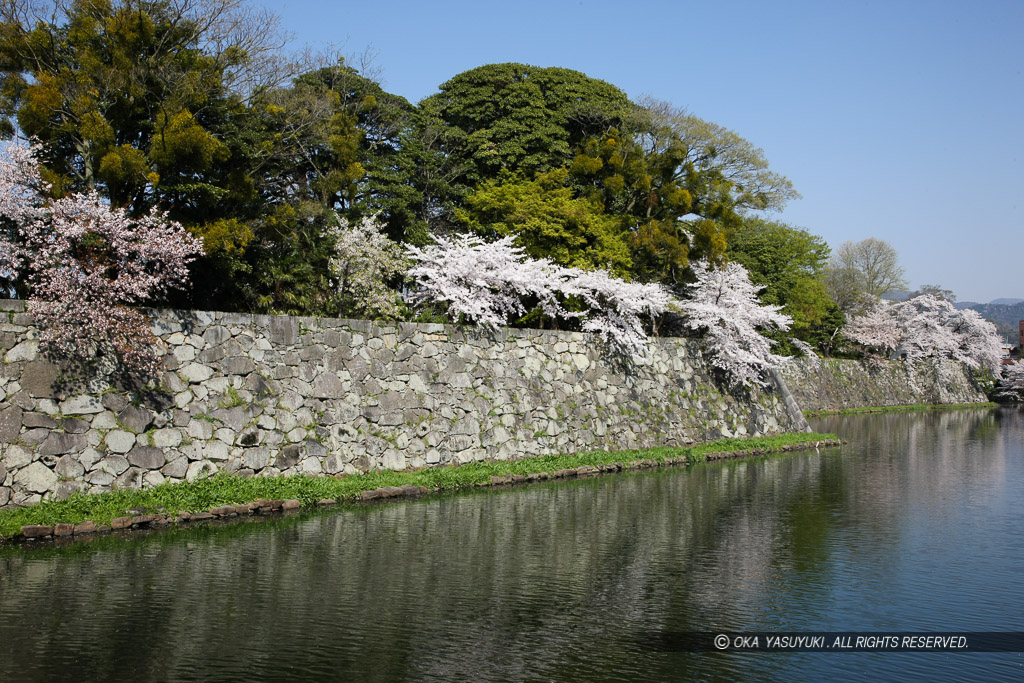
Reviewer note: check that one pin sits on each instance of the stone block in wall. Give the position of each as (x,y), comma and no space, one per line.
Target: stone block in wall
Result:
(68,467)
(136,418)
(67,488)
(119,441)
(82,404)
(165,326)
(57,443)
(211,355)
(10,423)
(327,386)
(237,365)
(239,319)
(38,378)
(284,331)
(23,351)
(147,457)
(176,469)
(233,418)
(200,470)
(100,478)
(215,451)
(194,373)
(114,402)
(36,477)
(74,425)
(256,458)
(129,479)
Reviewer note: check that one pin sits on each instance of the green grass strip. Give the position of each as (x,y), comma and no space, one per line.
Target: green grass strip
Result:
(227,489)
(923,407)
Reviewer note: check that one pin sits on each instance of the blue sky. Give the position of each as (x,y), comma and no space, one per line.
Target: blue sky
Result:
(897,120)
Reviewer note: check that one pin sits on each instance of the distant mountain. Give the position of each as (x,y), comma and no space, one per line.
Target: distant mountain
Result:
(1006,317)
(1005,302)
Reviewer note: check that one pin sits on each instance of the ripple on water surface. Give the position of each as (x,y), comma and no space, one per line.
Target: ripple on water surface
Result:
(914,525)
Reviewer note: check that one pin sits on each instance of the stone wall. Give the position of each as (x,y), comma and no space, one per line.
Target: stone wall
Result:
(836,384)
(263,395)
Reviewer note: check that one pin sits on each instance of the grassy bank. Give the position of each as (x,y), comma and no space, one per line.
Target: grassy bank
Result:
(923,407)
(225,489)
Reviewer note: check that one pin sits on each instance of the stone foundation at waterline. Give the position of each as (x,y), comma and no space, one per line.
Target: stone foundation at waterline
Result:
(837,384)
(264,395)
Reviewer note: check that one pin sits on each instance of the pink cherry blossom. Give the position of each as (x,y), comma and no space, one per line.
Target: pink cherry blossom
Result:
(487,281)
(927,326)
(85,264)
(723,305)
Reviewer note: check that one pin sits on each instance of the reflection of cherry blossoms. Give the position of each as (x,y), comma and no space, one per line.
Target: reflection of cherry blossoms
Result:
(487,282)
(84,263)
(723,305)
(928,327)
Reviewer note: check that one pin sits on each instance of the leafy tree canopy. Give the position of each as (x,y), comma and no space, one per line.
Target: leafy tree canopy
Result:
(521,118)
(548,222)
(789,263)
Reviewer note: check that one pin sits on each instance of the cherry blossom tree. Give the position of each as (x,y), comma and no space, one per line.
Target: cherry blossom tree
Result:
(928,326)
(484,281)
(365,261)
(724,307)
(84,264)
(487,282)
(20,204)
(617,307)
(877,328)
(1011,386)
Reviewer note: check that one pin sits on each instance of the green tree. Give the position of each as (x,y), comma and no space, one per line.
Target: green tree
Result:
(548,222)
(126,96)
(733,163)
(684,184)
(520,118)
(789,263)
(144,101)
(332,143)
(663,203)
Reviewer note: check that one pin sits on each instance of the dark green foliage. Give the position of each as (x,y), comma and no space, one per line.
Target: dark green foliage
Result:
(521,118)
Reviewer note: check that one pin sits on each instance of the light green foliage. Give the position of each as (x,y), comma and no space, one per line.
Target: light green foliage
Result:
(548,222)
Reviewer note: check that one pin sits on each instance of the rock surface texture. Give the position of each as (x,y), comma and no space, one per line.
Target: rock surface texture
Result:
(267,395)
(838,384)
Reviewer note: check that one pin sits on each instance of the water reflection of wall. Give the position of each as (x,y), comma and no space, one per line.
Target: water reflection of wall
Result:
(431,589)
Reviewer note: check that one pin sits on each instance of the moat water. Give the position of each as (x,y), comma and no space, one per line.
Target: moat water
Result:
(915,524)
